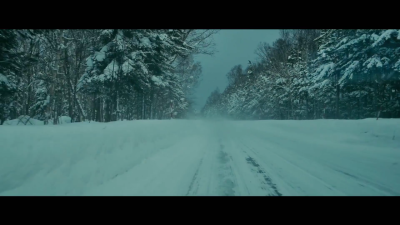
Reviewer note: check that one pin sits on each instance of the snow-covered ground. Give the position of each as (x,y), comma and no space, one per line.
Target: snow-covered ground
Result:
(195,157)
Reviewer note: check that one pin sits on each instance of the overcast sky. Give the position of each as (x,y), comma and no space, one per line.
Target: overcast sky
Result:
(234,47)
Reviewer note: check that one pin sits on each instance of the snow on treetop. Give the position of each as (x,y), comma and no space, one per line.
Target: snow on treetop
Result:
(323,70)
(396,66)
(325,82)
(303,89)
(348,73)
(145,42)
(89,62)
(119,40)
(157,81)
(163,36)
(385,60)
(374,37)
(373,61)
(352,42)
(101,78)
(133,55)
(143,67)
(111,69)
(344,40)
(100,56)
(41,88)
(127,66)
(105,48)
(3,78)
(107,32)
(280,81)
(384,37)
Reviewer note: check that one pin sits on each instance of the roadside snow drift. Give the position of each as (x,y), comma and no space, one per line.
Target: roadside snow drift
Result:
(184,157)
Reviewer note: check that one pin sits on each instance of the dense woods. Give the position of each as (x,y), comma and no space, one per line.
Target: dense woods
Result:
(315,74)
(100,75)
(116,74)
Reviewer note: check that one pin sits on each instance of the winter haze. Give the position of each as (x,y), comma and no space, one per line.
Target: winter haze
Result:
(112,112)
(233,47)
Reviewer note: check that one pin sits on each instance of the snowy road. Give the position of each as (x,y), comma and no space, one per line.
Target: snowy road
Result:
(203,158)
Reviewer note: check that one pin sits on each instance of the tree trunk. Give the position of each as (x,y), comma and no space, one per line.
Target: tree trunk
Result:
(307,116)
(377,115)
(93,112)
(143,106)
(70,110)
(28,101)
(98,109)
(337,101)
(108,109)
(138,103)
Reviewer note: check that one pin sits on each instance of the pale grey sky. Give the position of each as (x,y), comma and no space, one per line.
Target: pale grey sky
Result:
(234,47)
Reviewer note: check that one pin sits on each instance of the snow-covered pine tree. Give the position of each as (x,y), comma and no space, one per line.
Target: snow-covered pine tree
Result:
(140,60)
(10,67)
(40,108)
(356,71)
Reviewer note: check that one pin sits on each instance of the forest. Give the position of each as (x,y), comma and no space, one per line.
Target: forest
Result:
(100,75)
(107,75)
(315,74)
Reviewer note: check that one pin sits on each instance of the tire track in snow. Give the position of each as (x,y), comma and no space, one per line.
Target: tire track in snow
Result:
(201,182)
(192,191)
(267,180)
(320,180)
(369,184)
(225,173)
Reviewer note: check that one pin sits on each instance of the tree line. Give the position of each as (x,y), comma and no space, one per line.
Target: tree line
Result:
(315,74)
(100,75)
